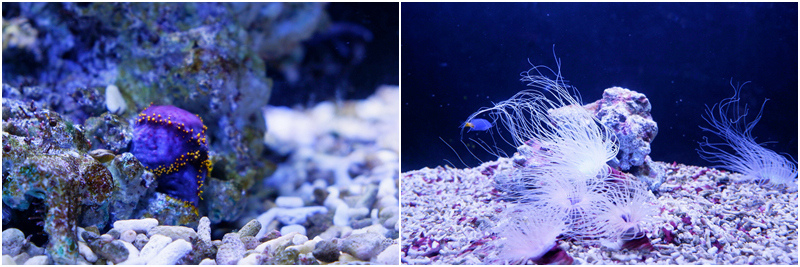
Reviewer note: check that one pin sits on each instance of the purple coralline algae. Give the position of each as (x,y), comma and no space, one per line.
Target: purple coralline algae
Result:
(171,143)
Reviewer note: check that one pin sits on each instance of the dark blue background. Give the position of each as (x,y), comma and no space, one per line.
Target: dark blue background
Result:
(459,57)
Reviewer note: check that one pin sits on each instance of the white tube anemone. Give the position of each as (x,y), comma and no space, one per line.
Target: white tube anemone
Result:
(580,145)
(749,158)
(528,232)
(576,143)
(628,204)
(577,199)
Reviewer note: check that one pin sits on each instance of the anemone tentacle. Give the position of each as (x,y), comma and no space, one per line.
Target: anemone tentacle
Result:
(739,151)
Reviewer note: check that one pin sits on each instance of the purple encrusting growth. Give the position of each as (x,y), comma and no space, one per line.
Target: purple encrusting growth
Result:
(171,143)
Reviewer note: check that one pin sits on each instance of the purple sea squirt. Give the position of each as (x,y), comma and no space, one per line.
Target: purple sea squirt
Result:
(171,143)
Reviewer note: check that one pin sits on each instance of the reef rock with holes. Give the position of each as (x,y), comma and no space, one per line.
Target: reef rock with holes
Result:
(627,112)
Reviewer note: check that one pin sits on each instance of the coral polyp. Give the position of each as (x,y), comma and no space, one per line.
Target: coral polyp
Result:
(171,143)
(747,157)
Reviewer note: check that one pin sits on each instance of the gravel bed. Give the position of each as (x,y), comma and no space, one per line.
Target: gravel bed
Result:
(704,218)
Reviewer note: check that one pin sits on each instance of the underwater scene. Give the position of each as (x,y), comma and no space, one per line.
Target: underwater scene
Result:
(599,133)
(200,133)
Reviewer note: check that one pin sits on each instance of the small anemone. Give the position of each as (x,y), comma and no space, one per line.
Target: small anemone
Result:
(628,204)
(576,200)
(739,152)
(528,232)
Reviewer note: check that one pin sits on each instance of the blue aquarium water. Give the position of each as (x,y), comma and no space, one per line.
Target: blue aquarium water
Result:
(459,57)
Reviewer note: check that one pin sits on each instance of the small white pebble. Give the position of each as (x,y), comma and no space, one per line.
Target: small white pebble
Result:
(252,259)
(86,252)
(8,260)
(204,229)
(138,225)
(306,247)
(21,258)
(115,103)
(289,202)
(342,215)
(373,214)
(293,228)
(680,260)
(106,238)
(172,253)
(156,244)
(128,236)
(712,250)
(37,260)
(207,261)
(299,239)
(274,243)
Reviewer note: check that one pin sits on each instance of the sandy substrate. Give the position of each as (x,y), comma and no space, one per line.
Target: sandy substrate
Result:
(448,216)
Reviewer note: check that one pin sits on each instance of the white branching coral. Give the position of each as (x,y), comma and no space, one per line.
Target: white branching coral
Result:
(739,151)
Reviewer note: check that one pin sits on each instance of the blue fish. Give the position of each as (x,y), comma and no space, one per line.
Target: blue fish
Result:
(477,125)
